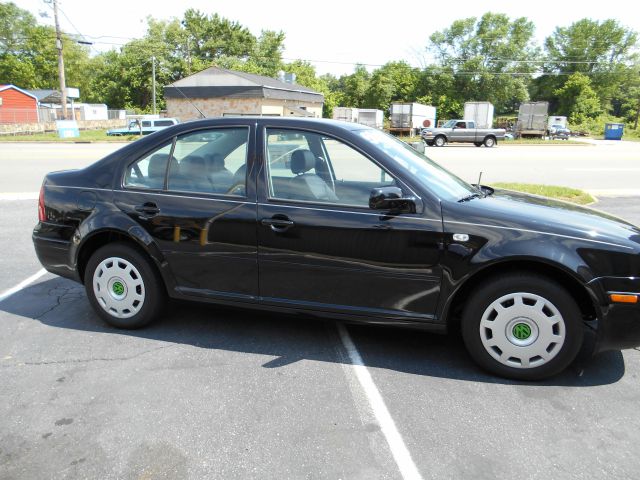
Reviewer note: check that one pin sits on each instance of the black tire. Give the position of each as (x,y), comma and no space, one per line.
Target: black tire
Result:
(142,279)
(490,142)
(477,144)
(430,144)
(480,303)
(440,141)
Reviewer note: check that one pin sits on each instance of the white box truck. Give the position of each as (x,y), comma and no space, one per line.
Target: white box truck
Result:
(479,112)
(371,117)
(346,114)
(411,118)
(532,119)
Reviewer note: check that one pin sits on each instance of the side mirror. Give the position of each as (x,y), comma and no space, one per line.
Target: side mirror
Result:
(390,198)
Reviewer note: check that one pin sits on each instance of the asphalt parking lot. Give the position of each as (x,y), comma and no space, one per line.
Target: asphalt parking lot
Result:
(218,393)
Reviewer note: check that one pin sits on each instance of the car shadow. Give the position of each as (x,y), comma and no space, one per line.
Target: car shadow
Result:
(60,303)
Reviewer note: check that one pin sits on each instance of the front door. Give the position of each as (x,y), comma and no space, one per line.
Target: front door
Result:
(321,246)
(193,197)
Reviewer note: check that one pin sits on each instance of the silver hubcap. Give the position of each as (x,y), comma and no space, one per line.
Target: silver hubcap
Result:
(522,330)
(118,287)
(440,141)
(489,142)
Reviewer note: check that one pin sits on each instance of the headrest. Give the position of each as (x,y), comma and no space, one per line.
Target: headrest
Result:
(302,161)
(215,162)
(158,165)
(193,166)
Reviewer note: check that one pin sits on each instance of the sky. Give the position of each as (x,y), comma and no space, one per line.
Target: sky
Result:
(333,34)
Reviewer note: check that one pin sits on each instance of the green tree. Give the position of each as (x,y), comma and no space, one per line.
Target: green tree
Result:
(122,79)
(577,99)
(28,55)
(602,50)
(354,87)
(489,59)
(393,82)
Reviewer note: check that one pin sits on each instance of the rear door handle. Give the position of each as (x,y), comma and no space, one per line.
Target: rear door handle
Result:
(148,209)
(277,224)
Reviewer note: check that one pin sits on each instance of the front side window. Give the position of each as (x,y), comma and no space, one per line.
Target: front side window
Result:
(149,171)
(210,161)
(312,167)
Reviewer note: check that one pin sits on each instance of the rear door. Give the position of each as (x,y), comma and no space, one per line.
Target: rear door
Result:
(320,245)
(195,197)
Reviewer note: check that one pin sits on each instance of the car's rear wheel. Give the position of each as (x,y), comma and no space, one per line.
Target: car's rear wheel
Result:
(440,141)
(123,287)
(489,142)
(522,326)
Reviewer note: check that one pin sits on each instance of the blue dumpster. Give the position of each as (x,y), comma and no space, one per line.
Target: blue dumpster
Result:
(613,131)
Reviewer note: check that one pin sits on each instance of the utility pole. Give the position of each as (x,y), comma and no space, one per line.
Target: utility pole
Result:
(63,86)
(153,83)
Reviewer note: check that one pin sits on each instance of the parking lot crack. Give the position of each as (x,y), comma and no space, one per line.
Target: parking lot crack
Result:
(61,295)
(90,359)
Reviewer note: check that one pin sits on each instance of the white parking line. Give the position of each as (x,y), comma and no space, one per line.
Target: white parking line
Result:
(19,196)
(399,450)
(7,293)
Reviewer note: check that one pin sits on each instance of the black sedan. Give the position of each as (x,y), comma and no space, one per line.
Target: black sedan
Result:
(343,221)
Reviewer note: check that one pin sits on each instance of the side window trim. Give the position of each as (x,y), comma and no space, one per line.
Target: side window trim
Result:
(166,171)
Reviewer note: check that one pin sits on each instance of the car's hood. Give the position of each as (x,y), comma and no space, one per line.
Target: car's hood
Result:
(520,211)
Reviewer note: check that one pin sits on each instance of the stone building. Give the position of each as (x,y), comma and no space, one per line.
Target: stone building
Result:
(218,92)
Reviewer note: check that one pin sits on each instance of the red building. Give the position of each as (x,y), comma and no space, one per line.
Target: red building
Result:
(17,105)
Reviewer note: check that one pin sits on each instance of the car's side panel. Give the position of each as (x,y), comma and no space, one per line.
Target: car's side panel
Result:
(351,260)
(347,258)
(209,243)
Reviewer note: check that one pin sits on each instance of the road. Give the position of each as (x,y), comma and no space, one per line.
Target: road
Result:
(603,168)
(210,392)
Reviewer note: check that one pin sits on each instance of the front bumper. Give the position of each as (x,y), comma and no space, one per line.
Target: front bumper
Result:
(619,328)
(618,325)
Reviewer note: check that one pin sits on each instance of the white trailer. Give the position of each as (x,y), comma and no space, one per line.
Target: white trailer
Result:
(411,118)
(479,112)
(557,120)
(91,111)
(371,117)
(346,114)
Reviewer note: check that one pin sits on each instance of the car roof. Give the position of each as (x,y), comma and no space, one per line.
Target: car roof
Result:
(278,121)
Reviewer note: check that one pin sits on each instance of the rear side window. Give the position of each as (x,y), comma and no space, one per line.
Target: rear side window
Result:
(163,123)
(149,171)
(211,161)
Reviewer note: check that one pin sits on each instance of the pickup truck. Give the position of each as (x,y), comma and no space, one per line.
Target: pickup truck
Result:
(462,131)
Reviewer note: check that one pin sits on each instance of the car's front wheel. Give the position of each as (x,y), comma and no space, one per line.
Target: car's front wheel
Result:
(123,287)
(522,326)
(440,141)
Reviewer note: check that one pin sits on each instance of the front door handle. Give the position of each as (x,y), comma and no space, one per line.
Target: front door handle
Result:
(148,209)
(277,224)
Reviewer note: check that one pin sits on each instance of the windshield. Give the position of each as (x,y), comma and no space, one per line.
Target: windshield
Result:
(449,124)
(430,175)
